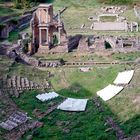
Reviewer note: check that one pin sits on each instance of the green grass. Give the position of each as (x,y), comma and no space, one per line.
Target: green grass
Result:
(126,105)
(33,102)
(73,83)
(76,3)
(90,123)
(5,11)
(126,57)
(108,18)
(5,63)
(80,85)
(13,36)
(26,71)
(86,125)
(97,57)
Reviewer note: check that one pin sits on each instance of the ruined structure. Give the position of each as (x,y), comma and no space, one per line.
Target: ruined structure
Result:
(110,18)
(48,33)
(114,43)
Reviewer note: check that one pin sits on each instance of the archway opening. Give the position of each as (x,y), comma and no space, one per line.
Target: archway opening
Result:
(107,45)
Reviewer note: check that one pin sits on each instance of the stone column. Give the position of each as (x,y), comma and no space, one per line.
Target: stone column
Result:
(39,17)
(137,28)
(92,26)
(40,37)
(59,35)
(126,26)
(47,35)
(131,27)
(59,18)
(33,35)
(59,28)
(46,15)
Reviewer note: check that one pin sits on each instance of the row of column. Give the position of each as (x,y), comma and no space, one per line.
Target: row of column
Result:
(47,35)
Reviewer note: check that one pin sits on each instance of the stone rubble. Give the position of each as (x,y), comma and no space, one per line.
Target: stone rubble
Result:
(14,120)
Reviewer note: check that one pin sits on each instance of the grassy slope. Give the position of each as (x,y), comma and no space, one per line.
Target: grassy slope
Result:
(73,83)
(91,122)
(85,125)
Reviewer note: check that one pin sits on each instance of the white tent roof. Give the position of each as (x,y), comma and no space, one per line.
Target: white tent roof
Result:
(124,77)
(71,104)
(84,69)
(47,96)
(109,92)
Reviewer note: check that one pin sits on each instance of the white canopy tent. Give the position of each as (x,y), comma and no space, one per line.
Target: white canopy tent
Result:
(108,92)
(84,69)
(71,104)
(124,77)
(47,96)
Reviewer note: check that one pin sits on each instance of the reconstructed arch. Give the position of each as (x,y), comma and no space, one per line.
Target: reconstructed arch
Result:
(111,41)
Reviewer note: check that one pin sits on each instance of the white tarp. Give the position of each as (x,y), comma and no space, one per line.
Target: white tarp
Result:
(85,69)
(71,104)
(47,96)
(124,77)
(109,92)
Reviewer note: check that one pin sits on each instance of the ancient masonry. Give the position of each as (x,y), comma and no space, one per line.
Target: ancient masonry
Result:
(16,84)
(16,134)
(48,33)
(14,120)
(119,23)
(117,44)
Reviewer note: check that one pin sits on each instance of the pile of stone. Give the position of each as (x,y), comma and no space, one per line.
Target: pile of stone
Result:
(119,133)
(113,9)
(16,134)
(14,120)
(20,83)
(49,64)
(16,85)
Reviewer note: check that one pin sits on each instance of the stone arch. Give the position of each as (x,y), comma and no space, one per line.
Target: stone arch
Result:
(109,43)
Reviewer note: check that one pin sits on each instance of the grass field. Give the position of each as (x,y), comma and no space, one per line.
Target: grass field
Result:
(70,82)
(73,83)
(61,125)
(64,125)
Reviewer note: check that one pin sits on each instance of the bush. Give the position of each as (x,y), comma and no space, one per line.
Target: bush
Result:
(2,26)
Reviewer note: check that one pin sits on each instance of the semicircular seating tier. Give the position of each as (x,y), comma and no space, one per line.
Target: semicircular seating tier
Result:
(124,77)
(47,96)
(110,91)
(71,104)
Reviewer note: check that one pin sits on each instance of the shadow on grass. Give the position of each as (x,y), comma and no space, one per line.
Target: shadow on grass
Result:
(75,91)
(74,125)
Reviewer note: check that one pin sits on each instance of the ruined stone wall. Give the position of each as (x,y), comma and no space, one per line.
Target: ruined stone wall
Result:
(11,26)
